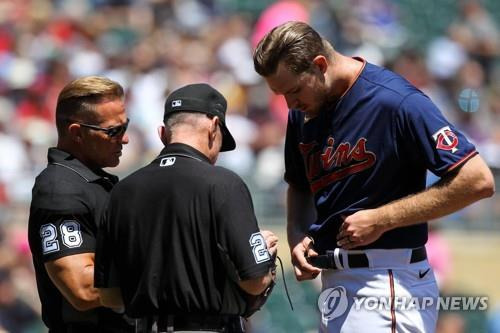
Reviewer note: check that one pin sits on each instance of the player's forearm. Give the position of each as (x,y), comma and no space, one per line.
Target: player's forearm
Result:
(301,213)
(471,183)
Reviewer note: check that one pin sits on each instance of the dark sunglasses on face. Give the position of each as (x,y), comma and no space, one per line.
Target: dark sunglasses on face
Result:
(110,131)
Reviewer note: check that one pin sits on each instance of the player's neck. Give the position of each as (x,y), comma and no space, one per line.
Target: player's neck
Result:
(344,72)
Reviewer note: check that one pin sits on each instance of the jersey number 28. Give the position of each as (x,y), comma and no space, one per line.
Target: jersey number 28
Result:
(71,236)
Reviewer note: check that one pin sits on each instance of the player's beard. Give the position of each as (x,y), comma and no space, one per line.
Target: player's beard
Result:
(326,101)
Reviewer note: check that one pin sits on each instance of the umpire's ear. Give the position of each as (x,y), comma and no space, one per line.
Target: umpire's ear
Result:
(163,133)
(214,123)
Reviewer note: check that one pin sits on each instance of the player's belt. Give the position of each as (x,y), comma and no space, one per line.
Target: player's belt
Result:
(357,260)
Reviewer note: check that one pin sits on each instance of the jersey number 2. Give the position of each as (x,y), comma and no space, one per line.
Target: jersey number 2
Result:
(259,249)
(71,236)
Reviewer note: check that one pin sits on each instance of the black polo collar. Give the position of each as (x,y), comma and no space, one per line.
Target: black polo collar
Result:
(181,149)
(59,157)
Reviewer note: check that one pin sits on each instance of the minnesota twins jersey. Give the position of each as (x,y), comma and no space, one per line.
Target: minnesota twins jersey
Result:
(372,147)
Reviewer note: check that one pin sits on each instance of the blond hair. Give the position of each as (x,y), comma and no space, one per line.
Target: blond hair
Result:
(78,99)
(295,43)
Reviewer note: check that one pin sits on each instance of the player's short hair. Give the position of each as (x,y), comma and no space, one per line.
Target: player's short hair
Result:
(78,99)
(296,43)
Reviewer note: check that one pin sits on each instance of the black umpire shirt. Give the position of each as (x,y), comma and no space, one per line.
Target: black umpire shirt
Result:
(179,233)
(67,204)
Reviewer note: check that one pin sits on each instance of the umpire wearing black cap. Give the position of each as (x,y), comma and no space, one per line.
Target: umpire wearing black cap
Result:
(180,242)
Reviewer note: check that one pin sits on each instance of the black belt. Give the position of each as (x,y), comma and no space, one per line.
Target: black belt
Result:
(197,322)
(357,260)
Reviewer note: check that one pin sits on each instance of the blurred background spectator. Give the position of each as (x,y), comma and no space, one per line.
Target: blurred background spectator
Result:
(448,49)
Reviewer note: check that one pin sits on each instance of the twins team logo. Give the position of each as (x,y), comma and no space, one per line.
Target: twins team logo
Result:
(446,139)
(332,303)
(340,161)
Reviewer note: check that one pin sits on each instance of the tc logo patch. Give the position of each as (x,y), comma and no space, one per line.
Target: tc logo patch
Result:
(446,139)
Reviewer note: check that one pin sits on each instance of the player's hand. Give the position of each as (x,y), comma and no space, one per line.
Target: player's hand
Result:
(304,270)
(271,241)
(361,228)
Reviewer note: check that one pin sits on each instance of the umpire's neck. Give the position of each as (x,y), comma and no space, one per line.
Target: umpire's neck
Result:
(203,135)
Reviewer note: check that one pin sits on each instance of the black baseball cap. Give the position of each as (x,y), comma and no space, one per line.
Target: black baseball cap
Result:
(201,97)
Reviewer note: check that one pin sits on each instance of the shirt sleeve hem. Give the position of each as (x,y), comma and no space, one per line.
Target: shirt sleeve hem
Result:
(462,161)
(52,257)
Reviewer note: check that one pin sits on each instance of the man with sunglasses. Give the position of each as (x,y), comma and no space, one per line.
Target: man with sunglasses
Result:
(69,197)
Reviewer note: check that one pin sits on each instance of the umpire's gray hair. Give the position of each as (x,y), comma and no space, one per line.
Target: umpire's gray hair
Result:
(192,119)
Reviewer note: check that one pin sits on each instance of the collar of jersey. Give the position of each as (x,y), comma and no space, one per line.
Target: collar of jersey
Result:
(181,149)
(59,157)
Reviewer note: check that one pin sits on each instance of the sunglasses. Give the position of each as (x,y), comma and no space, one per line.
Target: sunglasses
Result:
(110,131)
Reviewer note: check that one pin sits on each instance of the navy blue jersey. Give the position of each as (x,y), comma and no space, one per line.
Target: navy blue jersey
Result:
(372,147)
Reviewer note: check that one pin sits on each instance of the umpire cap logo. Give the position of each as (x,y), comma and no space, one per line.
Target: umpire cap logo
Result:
(176,103)
(332,303)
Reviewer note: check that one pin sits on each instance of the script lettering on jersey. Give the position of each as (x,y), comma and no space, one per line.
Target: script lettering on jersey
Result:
(339,162)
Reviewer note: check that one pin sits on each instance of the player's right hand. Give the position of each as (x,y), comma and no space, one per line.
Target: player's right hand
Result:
(304,270)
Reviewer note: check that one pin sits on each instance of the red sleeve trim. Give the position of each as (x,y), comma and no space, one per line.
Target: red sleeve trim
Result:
(462,161)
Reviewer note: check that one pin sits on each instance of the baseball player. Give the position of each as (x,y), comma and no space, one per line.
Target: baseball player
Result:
(359,142)
(69,197)
(181,234)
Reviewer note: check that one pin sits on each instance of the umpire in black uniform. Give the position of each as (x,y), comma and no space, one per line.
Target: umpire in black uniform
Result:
(68,200)
(181,242)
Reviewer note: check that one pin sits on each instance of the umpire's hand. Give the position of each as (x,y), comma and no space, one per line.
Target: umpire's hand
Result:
(304,270)
(271,242)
